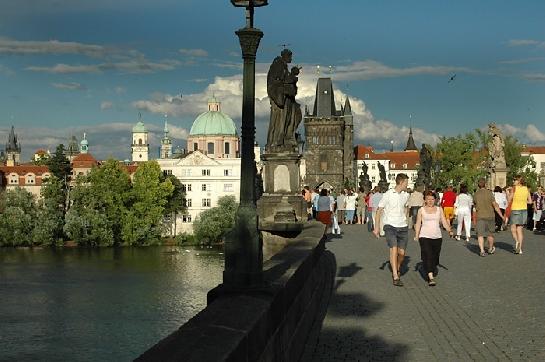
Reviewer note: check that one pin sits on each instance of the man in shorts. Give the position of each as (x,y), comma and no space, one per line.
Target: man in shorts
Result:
(485,204)
(393,203)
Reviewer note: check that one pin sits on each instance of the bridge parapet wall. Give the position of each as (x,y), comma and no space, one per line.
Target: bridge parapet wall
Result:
(270,324)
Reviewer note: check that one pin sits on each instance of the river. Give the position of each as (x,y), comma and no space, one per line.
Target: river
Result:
(99,304)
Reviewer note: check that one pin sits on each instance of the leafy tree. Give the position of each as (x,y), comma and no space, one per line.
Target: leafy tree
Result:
(50,214)
(17,217)
(175,203)
(212,224)
(109,191)
(59,165)
(518,164)
(148,198)
(458,161)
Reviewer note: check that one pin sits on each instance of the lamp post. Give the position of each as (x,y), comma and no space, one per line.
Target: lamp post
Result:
(243,244)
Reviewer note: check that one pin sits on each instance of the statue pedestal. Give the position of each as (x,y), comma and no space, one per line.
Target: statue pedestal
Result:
(281,208)
(498,177)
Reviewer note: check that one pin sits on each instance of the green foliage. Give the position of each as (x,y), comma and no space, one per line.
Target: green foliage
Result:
(148,198)
(458,161)
(50,214)
(518,164)
(175,203)
(17,218)
(59,165)
(185,239)
(213,223)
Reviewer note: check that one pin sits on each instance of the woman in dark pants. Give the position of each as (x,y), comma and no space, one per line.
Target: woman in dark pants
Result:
(428,234)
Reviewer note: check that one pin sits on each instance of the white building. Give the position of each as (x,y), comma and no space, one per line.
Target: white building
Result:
(140,145)
(537,153)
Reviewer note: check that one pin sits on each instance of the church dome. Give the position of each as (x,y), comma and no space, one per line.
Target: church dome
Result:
(213,122)
(139,128)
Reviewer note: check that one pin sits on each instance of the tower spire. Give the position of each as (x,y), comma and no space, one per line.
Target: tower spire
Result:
(411,146)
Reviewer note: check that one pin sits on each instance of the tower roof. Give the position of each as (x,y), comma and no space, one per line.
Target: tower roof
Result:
(13,144)
(347,107)
(324,104)
(411,146)
(139,128)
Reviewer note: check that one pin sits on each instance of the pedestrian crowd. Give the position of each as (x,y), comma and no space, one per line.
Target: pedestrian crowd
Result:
(393,212)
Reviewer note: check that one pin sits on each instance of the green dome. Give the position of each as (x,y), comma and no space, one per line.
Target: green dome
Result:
(139,128)
(213,123)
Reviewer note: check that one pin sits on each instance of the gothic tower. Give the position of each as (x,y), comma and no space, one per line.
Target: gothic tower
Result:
(166,143)
(13,149)
(140,145)
(411,146)
(329,140)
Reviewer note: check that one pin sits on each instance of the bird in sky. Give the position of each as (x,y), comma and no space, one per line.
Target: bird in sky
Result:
(452,78)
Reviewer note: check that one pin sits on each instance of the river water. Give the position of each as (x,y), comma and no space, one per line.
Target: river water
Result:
(101,304)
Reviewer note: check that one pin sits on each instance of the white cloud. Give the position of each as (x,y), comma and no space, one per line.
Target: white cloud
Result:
(194,52)
(120,90)
(69,86)
(106,105)
(539,77)
(10,46)
(522,61)
(130,66)
(525,42)
(526,135)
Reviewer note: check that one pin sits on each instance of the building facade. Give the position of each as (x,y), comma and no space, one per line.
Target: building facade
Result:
(537,153)
(140,145)
(328,154)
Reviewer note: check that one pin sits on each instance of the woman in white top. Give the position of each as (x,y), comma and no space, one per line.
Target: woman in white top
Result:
(350,207)
(501,200)
(463,206)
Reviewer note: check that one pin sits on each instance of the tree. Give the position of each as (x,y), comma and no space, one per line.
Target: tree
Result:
(50,214)
(212,224)
(518,164)
(176,203)
(59,165)
(148,198)
(17,217)
(458,161)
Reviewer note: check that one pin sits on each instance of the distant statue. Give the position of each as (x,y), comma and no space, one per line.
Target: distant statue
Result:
(364,168)
(382,171)
(285,111)
(496,147)
(365,183)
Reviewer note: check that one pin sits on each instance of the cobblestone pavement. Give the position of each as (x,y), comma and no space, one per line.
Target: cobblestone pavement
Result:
(483,308)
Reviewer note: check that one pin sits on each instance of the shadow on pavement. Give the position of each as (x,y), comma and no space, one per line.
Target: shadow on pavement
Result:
(404,267)
(504,246)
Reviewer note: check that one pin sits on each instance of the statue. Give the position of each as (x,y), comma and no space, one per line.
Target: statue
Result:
(382,184)
(365,183)
(496,147)
(285,111)
(424,172)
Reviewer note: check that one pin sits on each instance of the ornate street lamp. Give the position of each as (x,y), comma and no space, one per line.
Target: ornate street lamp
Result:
(243,244)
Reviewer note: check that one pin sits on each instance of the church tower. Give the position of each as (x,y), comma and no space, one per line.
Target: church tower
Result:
(13,149)
(166,143)
(140,145)
(411,146)
(329,140)
(84,145)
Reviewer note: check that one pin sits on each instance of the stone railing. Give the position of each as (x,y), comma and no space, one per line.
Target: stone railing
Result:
(274,323)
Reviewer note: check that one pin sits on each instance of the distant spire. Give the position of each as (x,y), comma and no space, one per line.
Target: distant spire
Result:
(12,145)
(347,107)
(165,130)
(411,146)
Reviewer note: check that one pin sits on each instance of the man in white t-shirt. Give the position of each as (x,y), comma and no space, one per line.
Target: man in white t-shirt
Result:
(393,203)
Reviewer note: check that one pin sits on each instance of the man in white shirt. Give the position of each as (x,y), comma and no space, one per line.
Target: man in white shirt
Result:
(394,203)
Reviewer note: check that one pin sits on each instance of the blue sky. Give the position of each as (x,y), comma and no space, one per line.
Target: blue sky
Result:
(69,66)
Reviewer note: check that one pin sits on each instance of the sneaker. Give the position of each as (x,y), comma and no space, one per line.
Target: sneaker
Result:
(457,237)
(432,283)
(492,250)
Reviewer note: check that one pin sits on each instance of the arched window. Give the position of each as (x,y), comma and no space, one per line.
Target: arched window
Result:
(140,141)
(210,148)
(195,146)
(227,149)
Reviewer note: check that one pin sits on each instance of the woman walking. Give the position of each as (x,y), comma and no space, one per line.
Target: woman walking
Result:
(501,200)
(324,210)
(428,234)
(350,206)
(463,207)
(519,200)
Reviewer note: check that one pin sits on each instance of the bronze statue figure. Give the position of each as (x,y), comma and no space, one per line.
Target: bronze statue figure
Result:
(285,111)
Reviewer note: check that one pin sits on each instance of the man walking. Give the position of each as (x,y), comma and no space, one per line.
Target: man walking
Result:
(485,204)
(447,203)
(394,203)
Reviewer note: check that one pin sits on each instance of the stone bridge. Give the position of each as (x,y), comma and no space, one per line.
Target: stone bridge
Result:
(333,300)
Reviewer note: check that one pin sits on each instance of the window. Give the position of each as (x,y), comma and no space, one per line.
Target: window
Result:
(405,166)
(167,172)
(187,202)
(227,148)
(373,178)
(203,187)
(30,179)
(206,172)
(195,146)
(366,155)
(186,187)
(210,148)
(206,187)
(205,202)
(227,187)
(227,172)
(14,179)
(392,165)
(186,172)
(373,167)
(315,140)
(186,218)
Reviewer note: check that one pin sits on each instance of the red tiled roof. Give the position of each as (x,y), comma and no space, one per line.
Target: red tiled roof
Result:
(534,149)
(41,152)
(397,159)
(23,169)
(84,160)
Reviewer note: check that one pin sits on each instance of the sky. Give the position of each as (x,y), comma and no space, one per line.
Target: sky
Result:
(74,66)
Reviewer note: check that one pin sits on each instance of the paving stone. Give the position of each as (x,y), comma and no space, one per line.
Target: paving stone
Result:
(482,308)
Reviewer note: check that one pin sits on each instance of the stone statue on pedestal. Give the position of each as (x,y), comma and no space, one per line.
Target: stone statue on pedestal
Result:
(285,111)
(424,172)
(383,183)
(365,183)
(497,167)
